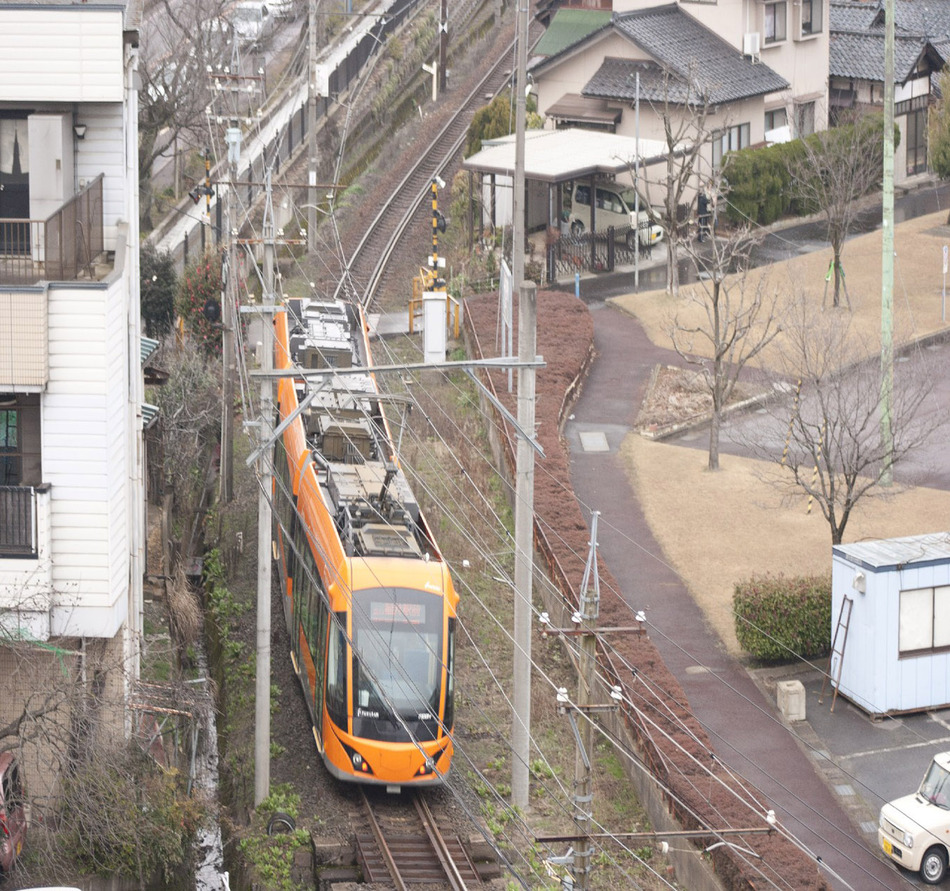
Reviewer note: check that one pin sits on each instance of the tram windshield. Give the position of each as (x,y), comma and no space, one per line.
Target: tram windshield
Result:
(397,669)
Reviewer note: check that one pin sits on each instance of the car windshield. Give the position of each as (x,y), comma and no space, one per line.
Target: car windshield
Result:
(936,786)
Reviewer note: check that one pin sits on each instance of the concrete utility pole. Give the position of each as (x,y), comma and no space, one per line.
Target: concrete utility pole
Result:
(443,44)
(524,546)
(887,248)
(313,98)
(264,520)
(228,321)
(524,471)
(583,786)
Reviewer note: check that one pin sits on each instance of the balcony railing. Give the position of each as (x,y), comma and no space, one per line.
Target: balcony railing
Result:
(18,521)
(61,248)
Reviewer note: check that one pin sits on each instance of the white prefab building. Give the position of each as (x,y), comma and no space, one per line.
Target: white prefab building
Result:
(72,506)
(896,599)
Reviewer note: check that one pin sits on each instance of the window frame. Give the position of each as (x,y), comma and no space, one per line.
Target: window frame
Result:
(11,446)
(740,134)
(914,626)
(812,24)
(770,11)
(771,114)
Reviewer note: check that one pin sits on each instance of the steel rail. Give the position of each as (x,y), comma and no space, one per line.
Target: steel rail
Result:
(437,841)
(383,847)
(434,166)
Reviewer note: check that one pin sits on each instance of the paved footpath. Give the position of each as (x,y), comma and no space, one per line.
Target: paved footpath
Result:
(742,723)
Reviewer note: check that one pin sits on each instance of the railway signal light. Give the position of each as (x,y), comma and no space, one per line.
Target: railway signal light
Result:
(198,191)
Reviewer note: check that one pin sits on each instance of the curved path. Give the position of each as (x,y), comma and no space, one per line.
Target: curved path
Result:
(742,723)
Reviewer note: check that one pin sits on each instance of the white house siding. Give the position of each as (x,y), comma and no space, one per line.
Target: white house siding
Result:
(61,54)
(85,455)
(104,151)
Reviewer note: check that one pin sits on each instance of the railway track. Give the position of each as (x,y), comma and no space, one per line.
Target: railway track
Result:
(403,846)
(406,204)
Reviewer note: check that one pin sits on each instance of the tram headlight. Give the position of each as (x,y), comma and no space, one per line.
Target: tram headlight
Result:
(357,760)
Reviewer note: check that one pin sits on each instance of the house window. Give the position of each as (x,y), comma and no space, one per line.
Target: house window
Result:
(11,458)
(804,119)
(916,139)
(20,460)
(729,140)
(775,14)
(776,118)
(924,621)
(811,17)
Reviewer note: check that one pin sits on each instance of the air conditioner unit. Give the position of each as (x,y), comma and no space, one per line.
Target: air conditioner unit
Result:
(750,45)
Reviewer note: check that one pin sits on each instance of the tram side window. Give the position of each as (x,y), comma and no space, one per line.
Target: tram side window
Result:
(286,514)
(336,671)
(448,719)
(318,643)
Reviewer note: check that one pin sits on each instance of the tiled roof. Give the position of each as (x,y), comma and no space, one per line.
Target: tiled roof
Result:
(852,15)
(930,19)
(701,63)
(861,56)
(569,26)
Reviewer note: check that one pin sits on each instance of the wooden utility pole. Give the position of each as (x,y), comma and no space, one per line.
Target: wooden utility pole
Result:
(264,520)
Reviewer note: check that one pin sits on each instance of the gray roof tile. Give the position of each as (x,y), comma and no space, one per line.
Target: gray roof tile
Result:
(861,56)
(702,64)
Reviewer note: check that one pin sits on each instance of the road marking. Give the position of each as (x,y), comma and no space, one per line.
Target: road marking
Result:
(889,749)
(594,441)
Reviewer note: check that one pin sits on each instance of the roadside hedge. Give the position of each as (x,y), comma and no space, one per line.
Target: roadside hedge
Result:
(779,618)
(759,179)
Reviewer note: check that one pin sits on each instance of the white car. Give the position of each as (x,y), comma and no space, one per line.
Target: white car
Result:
(914,831)
(252,21)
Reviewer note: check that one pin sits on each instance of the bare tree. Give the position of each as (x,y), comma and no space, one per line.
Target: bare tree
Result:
(190,404)
(684,108)
(833,450)
(836,168)
(737,319)
(180,44)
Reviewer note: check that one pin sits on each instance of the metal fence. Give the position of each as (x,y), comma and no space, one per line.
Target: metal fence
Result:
(595,251)
(74,236)
(18,521)
(57,249)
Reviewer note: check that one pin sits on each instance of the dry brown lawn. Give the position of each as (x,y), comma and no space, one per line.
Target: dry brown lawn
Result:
(718,528)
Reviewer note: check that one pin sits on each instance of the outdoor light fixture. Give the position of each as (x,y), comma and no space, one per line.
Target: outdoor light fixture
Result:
(79,130)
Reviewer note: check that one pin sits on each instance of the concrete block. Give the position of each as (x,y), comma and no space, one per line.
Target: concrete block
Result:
(791,700)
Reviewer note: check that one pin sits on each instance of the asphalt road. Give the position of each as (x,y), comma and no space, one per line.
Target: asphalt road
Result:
(861,762)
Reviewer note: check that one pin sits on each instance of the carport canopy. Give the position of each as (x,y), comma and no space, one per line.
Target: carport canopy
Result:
(557,156)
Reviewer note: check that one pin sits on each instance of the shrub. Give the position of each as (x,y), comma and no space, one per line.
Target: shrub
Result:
(778,618)
(124,816)
(199,303)
(158,283)
(759,179)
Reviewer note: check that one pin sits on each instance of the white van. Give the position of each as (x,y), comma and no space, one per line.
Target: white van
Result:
(251,20)
(914,831)
(614,206)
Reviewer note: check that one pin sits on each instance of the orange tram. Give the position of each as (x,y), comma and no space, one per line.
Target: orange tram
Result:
(367,597)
